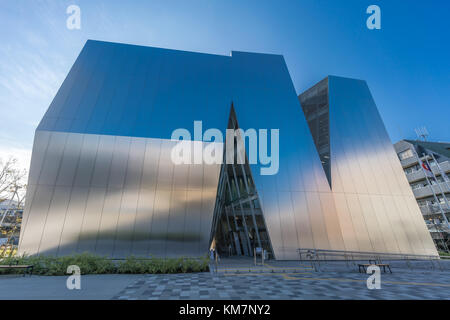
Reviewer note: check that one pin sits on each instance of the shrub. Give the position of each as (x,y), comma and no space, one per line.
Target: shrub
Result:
(93,264)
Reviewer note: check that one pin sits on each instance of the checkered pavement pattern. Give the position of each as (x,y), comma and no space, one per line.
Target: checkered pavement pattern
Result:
(402,284)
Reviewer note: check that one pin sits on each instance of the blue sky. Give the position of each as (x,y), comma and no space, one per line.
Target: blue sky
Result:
(406,64)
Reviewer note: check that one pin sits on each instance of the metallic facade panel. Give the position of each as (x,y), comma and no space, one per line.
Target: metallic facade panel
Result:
(373,228)
(151,164)
(397,224)
(288,225)
(102,179)
(143,222)
(119,162)
(302,222)
(160,220)
(69,162)
(319,231)
(128,208)
(180,176)
(91,220)
(209,194)
(54,221)
(175,227)
(87,159)
(74,218)
(192,226)
(52,159)
(388,233)
(166,166)
(126,222)
(347,227)
(40,145)
(269,206)
(331,221)
(103,160)
(36,220)
(31,190)
(359,223)
(109,220)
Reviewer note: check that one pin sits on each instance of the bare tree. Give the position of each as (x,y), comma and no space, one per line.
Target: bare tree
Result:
(12,181)
(12,193)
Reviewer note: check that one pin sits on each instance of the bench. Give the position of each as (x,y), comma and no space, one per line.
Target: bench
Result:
(363,266)
(27,268)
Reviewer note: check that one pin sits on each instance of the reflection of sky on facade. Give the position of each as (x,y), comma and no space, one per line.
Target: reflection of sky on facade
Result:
(126,115)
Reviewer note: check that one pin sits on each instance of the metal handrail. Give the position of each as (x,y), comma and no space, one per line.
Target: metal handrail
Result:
(314,256)
(345,253)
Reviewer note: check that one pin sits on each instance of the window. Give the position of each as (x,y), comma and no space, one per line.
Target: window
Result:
(412,169)
(405,154)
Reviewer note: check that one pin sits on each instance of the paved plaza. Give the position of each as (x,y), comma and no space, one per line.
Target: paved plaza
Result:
(240,281)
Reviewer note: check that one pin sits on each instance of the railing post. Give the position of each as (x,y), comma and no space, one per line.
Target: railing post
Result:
(407,262)
(439,263)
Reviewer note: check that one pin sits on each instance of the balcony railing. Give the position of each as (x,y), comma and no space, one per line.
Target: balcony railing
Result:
(433,209)
(419,175)
(408,162)
(427,192)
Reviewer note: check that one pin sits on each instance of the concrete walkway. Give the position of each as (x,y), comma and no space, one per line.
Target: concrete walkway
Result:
(275,280)
(93,287)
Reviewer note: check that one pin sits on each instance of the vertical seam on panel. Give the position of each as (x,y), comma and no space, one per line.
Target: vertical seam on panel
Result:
(186,207)
(106,190)
(138,196)
(295,220)
(49,133)
(121,198)
(53,191)
(309,225)
(336,215)
(343,193)
(170,208)
(22,230)
(404,221)
(308,210)
(355,234)
(283,248)
(71,87)
(70,195)
(106,75)
(154,195)
(395,234)
(364,219)
(377,219)
(201,201)
(322,213)
(87,195)
(89,187)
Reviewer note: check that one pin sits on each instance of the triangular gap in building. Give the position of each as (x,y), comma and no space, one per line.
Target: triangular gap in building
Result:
(238,227)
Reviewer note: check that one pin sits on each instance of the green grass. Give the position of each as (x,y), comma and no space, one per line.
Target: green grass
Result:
(93,264)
